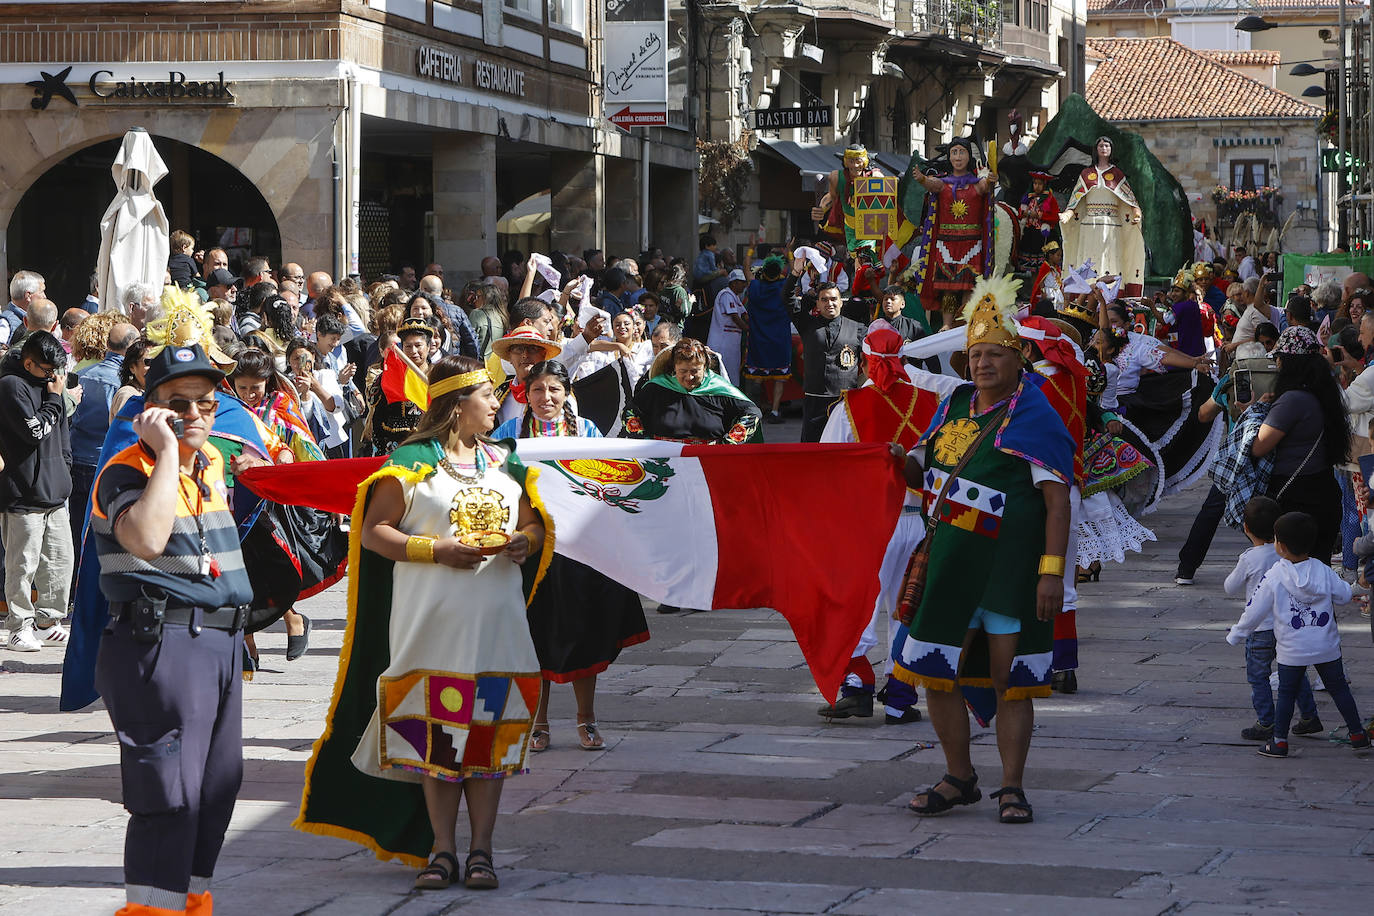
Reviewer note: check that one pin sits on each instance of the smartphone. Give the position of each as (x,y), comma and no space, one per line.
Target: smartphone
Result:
(1244,392)
(1337,353)
(73,380)
(178,426)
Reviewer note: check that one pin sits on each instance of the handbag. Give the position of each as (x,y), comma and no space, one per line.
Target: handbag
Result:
(919,567)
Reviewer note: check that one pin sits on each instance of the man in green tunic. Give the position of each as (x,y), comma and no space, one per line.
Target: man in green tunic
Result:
(994,467)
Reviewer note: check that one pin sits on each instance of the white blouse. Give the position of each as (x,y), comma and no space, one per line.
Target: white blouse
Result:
(1140,354)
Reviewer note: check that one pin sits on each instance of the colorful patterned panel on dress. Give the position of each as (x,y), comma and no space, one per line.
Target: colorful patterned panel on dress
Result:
(450,699)
(968,505)
(455,725)
(491,700)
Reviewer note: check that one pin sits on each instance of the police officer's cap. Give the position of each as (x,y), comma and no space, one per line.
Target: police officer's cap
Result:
(175,362)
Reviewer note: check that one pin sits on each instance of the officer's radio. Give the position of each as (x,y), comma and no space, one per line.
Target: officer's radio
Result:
(146,615)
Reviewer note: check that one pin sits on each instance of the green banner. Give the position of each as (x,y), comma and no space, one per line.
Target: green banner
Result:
(1314,269)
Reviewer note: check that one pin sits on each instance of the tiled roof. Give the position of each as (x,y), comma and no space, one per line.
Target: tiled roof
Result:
(1159,78)
(1170,8)
(1245,58)
(1121,6)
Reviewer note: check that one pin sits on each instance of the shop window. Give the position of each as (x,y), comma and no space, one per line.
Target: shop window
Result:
(1249,174)
(570,14)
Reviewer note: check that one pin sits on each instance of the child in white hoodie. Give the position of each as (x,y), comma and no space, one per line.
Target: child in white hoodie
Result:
(1261,513)
(1295,597)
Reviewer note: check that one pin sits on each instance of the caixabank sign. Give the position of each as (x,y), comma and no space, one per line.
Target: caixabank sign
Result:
(107,86)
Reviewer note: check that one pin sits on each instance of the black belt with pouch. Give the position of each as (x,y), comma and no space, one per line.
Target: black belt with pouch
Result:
(148,614)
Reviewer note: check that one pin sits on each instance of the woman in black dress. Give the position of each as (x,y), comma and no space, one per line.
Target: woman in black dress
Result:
(579,619)
(683,401)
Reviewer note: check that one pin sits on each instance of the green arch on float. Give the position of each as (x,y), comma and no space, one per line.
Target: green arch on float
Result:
(1168,220)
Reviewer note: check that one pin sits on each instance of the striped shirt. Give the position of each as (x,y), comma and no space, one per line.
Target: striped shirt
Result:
(177,571)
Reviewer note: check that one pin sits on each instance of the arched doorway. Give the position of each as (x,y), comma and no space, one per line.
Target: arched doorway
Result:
(55,230)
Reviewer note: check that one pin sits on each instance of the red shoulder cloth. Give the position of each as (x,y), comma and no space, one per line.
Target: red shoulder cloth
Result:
(1068,395)
(898,414)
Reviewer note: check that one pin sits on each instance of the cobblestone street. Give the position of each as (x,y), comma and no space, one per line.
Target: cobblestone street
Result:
(721,791)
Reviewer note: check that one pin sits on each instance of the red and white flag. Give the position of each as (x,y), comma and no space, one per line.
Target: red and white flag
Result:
(894,261)
(801,529)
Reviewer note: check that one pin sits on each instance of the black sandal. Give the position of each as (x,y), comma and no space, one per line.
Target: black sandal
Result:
(480,874)
(436,875)
(1004,807)
(940,804)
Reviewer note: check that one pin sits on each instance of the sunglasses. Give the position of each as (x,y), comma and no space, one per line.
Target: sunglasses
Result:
(182,406)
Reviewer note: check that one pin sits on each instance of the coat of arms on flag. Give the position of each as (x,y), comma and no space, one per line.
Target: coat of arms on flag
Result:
(603,478)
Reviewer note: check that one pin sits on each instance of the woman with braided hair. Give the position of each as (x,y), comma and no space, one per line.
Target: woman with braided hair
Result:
(579,619)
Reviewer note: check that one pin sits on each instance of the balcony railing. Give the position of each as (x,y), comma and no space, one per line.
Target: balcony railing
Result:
(975,21)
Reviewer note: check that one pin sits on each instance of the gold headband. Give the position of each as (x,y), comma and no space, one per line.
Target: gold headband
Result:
(456,382)
(856,155)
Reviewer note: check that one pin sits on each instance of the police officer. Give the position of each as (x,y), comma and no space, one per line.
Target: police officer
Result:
(831,347)
(169,659)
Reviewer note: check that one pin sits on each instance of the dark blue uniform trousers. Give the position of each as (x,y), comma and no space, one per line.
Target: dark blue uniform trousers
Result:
(177,710)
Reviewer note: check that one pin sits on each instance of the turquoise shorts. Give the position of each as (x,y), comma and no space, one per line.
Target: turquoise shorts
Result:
(993,623)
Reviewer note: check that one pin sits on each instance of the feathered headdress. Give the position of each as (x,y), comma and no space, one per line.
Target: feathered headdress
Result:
(991,312)
(185,321)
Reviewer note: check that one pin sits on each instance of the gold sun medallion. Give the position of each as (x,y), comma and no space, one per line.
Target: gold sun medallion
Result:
(953,439)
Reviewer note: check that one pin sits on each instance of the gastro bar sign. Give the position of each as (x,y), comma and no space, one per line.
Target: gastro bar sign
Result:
(437,64)
(175,88)
(498,77)
(784,118)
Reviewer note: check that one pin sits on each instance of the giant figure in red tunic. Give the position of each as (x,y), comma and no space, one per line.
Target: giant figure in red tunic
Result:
(955,247)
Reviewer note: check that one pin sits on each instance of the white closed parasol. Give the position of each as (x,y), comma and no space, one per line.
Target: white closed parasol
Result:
(133,231)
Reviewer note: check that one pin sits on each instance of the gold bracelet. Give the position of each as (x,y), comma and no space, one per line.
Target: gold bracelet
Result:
(1051,565)
(420,549)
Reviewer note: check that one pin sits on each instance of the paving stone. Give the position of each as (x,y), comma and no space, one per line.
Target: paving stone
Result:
(847,748)
(690,807)
(676,892)
(952,845)
(746,838)
(892,902)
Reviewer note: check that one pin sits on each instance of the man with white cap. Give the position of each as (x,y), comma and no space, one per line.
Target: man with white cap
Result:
(728,322)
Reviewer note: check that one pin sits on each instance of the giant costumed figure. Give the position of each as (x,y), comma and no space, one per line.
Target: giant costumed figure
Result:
(955,235)
(840,220)
(1039,218)
(1102,223)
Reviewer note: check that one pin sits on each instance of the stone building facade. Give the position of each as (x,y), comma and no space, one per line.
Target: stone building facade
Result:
(354,135)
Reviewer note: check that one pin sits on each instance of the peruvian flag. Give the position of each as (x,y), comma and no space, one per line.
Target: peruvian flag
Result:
(801,529)
(894,261)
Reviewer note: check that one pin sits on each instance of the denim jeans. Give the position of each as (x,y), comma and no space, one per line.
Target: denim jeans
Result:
(1259,661)
(1350,520)
(1333,676)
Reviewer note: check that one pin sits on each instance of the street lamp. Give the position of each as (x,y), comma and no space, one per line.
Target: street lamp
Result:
(1260,24)
(1314,92)
(1255,24)
(1304,70)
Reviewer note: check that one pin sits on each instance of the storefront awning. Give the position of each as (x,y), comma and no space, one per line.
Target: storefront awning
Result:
(816,160)
(892,163)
